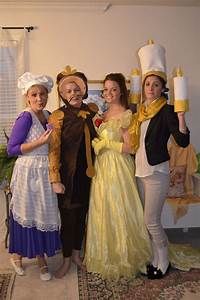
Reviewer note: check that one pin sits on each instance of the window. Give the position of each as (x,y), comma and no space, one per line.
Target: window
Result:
(11,67)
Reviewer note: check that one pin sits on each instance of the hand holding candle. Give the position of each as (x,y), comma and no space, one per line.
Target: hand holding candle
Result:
(181,103)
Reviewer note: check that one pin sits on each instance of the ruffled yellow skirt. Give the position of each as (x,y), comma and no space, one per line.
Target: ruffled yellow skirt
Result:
(117,242)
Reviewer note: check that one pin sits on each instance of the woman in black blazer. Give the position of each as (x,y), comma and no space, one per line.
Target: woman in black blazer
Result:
(152,126)
(150,130)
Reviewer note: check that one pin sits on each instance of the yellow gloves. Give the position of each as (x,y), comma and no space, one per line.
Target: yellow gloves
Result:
(99,144)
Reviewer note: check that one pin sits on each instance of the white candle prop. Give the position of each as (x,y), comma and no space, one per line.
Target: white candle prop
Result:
(135,87)
(181,102)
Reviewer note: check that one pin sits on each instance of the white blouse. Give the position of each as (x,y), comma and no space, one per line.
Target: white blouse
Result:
(143,168)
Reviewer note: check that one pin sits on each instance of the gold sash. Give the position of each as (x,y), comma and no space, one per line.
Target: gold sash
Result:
(144,113)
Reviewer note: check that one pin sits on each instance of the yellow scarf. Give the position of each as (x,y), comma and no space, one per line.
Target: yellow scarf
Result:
(144,113)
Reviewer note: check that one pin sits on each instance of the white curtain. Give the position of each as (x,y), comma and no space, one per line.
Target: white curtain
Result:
(12,65)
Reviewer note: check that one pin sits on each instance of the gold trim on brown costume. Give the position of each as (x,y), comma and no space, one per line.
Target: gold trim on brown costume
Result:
(56,119)
(90,172)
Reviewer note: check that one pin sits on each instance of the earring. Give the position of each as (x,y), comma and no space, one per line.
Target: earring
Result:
(165,90)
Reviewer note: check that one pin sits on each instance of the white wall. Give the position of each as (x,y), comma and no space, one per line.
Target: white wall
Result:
(98,43)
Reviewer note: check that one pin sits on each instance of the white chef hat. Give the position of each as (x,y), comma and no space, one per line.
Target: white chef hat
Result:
(152,60)
(28,79)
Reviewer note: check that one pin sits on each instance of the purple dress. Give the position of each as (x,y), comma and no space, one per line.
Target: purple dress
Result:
(34,217)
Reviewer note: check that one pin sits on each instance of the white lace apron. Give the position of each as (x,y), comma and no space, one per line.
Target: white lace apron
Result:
(33,202)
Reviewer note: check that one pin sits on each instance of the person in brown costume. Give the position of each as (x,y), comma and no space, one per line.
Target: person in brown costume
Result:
(70,160)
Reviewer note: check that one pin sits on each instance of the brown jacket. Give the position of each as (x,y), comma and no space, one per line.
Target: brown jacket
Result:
(70,152)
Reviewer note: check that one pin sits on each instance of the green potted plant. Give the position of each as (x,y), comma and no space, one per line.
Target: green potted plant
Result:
(6,167)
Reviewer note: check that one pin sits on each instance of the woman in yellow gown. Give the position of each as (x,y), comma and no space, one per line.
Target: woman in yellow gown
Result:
(117,242)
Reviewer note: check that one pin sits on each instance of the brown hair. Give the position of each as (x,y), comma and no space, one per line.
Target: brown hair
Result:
(121,81)
(165,90)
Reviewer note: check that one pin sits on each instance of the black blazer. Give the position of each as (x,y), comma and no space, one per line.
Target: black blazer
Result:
(164,123)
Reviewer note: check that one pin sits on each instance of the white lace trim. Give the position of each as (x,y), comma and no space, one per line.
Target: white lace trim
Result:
(35,223)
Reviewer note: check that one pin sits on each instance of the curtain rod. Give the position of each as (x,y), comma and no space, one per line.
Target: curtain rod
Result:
(29,28)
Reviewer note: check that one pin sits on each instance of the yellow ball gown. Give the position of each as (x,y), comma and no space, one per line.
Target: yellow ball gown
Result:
(117,242)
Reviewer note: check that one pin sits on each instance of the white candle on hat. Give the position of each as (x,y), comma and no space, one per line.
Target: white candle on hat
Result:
(135,86)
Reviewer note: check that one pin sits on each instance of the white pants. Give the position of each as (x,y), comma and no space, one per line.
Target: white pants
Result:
(153,191)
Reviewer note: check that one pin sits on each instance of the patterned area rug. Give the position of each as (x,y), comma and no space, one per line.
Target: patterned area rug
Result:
(172,287)
(7,278)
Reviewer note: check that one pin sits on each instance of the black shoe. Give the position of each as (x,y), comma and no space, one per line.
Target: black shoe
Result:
(151,268)
(158,274)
